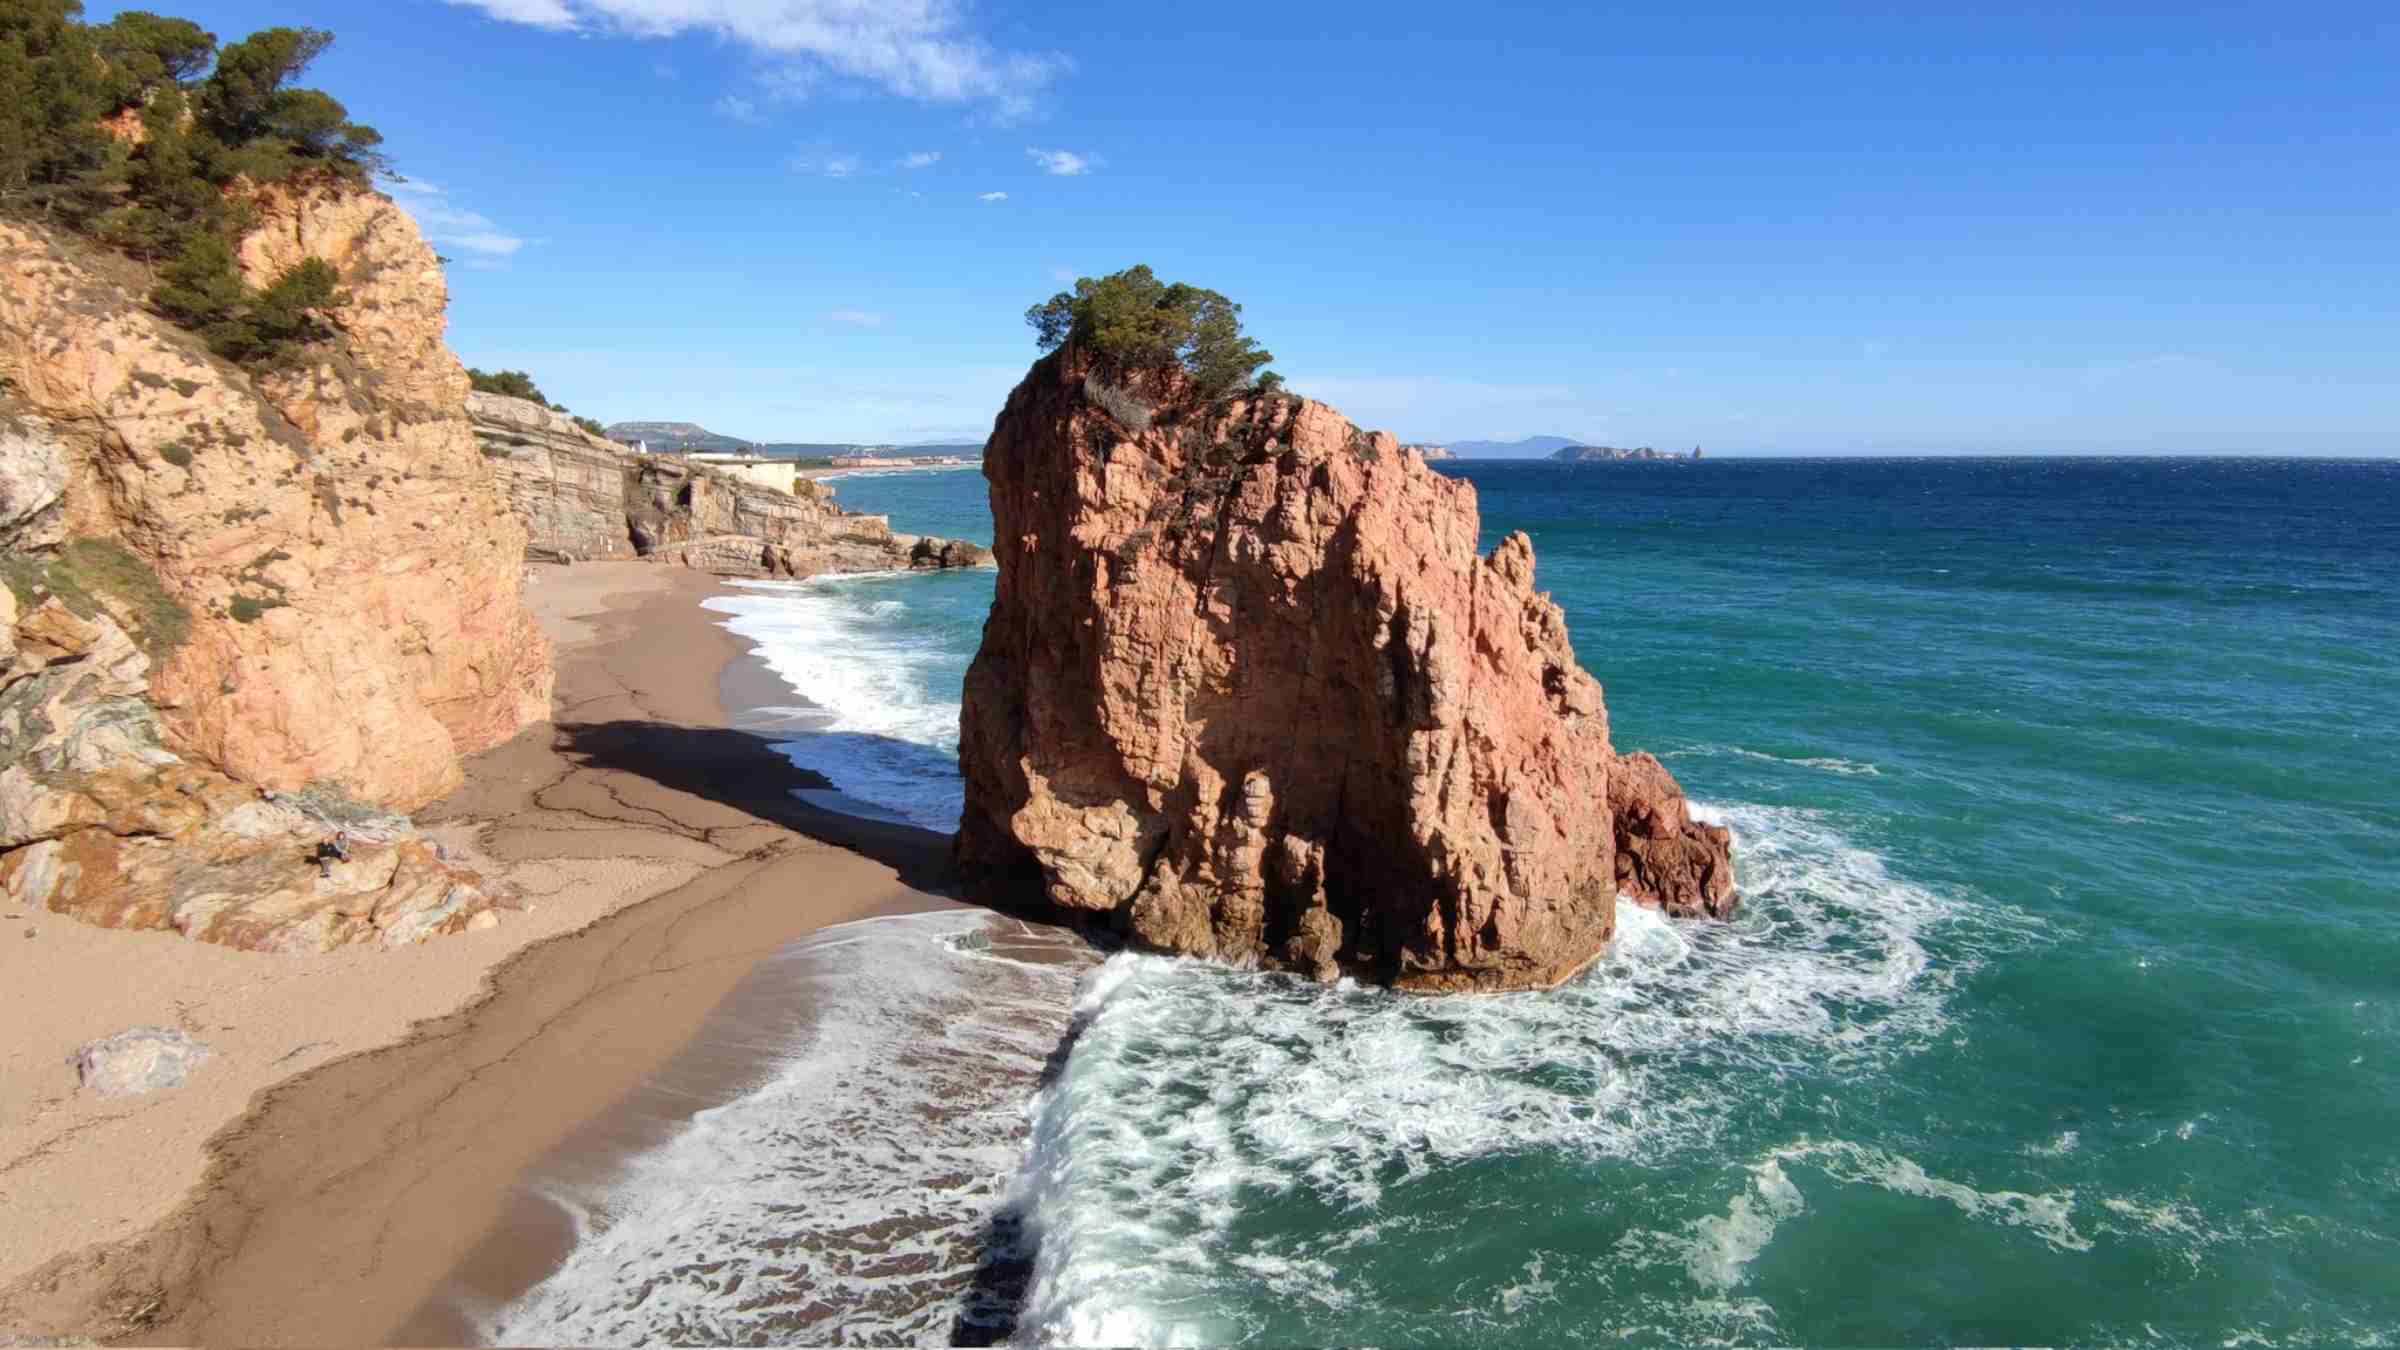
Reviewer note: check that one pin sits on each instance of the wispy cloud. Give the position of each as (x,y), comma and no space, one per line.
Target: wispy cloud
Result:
(832,166)
(1063,163)
(914,49)
(1062,272)
(922,159)
(452,226)
(863,318)
(737,108)
(992,197)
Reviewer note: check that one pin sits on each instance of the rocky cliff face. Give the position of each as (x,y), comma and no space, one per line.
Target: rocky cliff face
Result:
(1248,690)
(225,584)
(566,485)
(582,496)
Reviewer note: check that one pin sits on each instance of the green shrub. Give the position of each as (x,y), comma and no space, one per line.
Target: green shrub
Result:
(1131,321)
(507,383)
(247,609)
(176,455)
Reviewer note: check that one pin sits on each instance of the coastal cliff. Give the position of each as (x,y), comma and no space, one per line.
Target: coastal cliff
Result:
(1248,691)
(583,496)
(247,606)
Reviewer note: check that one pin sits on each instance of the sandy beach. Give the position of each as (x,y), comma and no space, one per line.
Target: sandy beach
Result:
(362,1116)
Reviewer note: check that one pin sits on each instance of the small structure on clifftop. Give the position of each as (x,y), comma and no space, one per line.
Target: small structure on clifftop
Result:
(1248,691)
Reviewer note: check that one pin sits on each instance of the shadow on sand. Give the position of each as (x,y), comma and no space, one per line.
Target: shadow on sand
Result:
(742,769)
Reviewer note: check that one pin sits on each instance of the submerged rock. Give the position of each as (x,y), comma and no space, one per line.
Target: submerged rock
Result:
(1248,691)
(145,1059)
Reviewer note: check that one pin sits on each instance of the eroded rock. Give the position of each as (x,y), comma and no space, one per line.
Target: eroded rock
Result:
(1249,692)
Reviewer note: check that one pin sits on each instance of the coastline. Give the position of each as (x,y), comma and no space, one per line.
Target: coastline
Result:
(660,857)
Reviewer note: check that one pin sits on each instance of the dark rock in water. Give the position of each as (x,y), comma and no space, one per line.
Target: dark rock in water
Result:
(1248,691)
(145,1059)
(932,552)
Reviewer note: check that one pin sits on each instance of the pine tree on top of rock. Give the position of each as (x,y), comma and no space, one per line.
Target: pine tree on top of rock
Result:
(1130,321)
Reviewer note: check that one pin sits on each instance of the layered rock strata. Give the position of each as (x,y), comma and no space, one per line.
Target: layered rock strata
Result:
(1248,691)
(247,609)
(583,496)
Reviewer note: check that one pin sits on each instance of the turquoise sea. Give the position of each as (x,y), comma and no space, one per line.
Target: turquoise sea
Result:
(2063,1006)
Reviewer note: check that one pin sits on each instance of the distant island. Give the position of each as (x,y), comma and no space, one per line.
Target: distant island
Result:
(1595,454)
(1429,451)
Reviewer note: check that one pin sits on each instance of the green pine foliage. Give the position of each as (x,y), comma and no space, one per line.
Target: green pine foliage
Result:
(1131,320)
(512,383)
(210,116)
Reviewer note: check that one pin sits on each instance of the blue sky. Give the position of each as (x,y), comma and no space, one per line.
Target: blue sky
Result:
(1828,228)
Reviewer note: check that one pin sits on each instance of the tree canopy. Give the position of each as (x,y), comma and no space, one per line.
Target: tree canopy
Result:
(208,116)
(1131,320)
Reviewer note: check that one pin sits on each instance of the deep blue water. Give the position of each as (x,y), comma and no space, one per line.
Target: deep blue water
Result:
(2064,1006)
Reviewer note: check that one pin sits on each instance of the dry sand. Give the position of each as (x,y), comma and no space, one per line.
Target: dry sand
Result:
(259,1207)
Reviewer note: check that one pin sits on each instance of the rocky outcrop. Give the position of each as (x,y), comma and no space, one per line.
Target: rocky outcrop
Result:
(246,609)
(581,496)
(1248,691)
(564,483)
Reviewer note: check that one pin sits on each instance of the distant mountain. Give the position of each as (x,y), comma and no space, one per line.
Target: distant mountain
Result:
(676,436)
(1532,447)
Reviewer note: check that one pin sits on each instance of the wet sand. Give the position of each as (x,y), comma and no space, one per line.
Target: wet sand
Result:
(661,858)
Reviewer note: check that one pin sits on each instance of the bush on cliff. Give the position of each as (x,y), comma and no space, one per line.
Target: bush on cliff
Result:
(509,383)
(1131,320)
(208,118)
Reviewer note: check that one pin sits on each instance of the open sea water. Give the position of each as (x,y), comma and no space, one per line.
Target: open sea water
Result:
(2063,1006)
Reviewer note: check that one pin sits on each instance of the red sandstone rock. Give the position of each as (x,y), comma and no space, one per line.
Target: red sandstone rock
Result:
(1248,691)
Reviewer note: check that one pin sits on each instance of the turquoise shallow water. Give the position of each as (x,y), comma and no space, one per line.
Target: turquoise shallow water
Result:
(2064,1006)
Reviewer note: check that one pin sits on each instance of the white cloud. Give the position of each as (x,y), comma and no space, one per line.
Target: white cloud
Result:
(993,197)
(922,159)
(451,226)
(832,166)
(735,107)
(841,167)
(1063,163)
(864,318)
(915,49)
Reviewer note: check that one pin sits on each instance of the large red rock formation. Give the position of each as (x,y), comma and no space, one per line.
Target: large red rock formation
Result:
(1248,690)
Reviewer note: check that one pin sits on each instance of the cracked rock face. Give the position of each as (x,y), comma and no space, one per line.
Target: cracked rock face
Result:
(247,608)
(353,576)
(582,496)
(1248,690)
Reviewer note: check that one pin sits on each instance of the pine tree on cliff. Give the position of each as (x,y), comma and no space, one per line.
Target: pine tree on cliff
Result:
(71,96)
(1131,320)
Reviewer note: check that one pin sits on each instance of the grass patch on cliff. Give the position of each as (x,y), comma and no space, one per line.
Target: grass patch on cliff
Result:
(92,576)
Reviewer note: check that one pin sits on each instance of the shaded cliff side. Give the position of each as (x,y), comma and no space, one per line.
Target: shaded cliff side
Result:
(1248,690)
(583,496)
(247,607)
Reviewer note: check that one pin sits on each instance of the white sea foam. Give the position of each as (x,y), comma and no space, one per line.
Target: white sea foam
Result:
(885,727)
(1824,763)
(847,1197)
(1196,1094)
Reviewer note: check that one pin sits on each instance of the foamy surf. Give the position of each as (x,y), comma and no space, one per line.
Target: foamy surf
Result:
(1201,1100)
(848,1197)
(878,660)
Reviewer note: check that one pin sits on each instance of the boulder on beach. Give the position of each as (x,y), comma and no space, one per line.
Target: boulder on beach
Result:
(144,1059)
